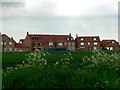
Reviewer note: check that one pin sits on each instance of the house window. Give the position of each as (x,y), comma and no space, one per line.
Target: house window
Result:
(69,44)
(34,44)
(111,48)
(50,43)
(15,49)
(35,38)
(82,47)
(94,39)
(107,48)
(10,49)
(65,44)
(88,43)
(81,39)
(60,44)
(10,43)
(113,42)
(68,38)
(20,50)
(82,43)
(95,43)
(73,43)
(4,49)
(1,43)
(20,41)
(95,48)
(38,44)
(5,43)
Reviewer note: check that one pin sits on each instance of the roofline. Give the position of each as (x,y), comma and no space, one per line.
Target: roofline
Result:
(86,36)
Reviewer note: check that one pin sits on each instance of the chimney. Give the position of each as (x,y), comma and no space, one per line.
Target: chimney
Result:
(76,35)
(70,34)
(12,38)
(27,33)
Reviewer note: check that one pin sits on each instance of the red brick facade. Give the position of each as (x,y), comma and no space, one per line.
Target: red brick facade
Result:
(7,43)
(110,45)
(88,43)
(41,41)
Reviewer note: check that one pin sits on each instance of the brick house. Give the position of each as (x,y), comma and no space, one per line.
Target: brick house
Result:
(41,41)
(19,47)
(110,45)
(87,43)
(7,43)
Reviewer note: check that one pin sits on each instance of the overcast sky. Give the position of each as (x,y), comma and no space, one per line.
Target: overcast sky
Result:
(82,17)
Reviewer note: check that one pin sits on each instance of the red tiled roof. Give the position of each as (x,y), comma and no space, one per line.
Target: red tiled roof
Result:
(88,38)
(19,45)
(109,43)
(49,38)
(22,39)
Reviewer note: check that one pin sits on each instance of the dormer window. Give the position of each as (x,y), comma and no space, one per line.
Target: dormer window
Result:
(81,39)
(113,42)
(35,38)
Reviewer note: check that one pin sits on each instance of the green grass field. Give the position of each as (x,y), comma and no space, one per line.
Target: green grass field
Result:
(103,72)
(13,58)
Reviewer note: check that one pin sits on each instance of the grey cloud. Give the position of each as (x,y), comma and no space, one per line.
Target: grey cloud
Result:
(12,4)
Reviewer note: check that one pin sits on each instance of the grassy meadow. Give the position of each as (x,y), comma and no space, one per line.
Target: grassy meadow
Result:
(77,69)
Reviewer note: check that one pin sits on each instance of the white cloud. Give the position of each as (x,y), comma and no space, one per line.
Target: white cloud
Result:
(83,17)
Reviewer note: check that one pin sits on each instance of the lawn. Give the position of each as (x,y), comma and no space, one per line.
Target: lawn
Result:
(83,69)
(13,58)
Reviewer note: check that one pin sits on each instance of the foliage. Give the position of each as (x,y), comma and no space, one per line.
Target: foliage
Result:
(100,70)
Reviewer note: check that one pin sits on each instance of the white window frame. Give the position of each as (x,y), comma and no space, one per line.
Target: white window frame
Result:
(113,41)
(94,38)
(111,48)
(89,43)
(1,43)
(82,43)
(82,47)
(10,49)
(50,43)
(65,43)
(60,44)
(4,49)
(95,48)
(95,43)
(20,50)
(81,39)
(5,43)
(15,49)
(108,48)
(10,43)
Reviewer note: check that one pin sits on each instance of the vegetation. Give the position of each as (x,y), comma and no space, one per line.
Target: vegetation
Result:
(95,69)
